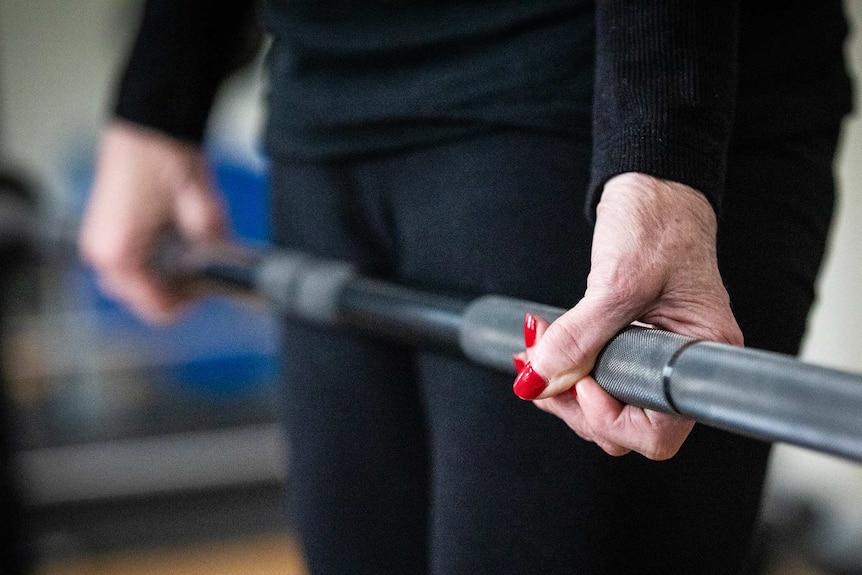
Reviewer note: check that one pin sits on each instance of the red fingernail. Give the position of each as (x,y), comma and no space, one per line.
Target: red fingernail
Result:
(529,384)
(574,390)
(519,363)
(529,330)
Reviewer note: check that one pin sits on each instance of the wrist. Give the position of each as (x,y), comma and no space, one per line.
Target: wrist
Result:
(654,198)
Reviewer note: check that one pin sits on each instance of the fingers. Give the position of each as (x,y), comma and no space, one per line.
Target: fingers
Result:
(616,428)
(199,212)
(567,408)
(145,297)
(657,436)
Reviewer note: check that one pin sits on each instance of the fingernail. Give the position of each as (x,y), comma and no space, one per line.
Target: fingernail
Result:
(529,384)
(574,390)
(519,363)
(529,330)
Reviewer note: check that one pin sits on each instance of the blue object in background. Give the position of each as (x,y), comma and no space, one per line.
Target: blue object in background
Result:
(246,193)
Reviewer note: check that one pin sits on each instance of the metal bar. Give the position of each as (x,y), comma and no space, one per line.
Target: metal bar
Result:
(401,314)
(759,394)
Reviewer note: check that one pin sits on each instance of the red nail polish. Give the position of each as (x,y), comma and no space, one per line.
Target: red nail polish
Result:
(529,330)
(529,384)
(574,390)
(519,363)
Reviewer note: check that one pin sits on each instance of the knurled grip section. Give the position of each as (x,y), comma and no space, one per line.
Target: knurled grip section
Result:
(635,366)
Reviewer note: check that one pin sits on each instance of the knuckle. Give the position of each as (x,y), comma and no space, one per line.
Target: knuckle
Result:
(666,437)
(612,425)
(615,288)
(99,254)
(563,340)
(584,433)
(613,449)
(114,259)
(581,428)
(209,212)
(110,252)
(660,451)
(621,291)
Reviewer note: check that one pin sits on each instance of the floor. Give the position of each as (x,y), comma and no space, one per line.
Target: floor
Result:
(262,555)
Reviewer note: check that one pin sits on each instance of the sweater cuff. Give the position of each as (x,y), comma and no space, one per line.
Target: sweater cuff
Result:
(684,158)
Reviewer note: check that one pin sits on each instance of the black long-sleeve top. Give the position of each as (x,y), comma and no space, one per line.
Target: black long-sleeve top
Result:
(658,87)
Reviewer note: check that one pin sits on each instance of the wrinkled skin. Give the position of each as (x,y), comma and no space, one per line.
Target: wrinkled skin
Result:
(653,261)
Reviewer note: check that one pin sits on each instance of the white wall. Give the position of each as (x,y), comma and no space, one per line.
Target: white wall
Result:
(58,60)
(835,336)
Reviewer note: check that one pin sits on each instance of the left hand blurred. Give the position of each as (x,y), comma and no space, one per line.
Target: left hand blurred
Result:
(147,184)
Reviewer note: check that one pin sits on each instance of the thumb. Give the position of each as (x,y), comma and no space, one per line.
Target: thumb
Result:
(568,349)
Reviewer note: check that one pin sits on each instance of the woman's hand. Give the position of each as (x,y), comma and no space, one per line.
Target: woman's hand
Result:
(653,260)
(146,184)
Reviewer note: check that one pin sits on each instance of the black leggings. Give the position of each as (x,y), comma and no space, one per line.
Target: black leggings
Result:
(406,461)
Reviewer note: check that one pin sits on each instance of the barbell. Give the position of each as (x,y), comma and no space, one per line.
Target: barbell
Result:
(764,395)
